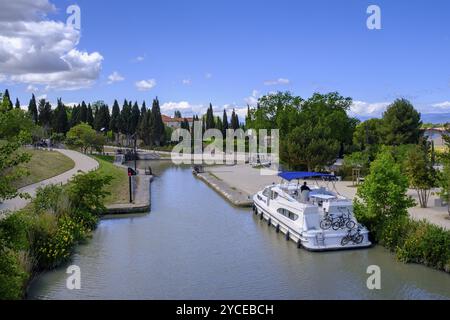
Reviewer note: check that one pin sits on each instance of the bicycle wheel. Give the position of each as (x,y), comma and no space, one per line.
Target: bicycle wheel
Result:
(358,239)
(350,224)
(336,226)
(345,240)
(325,224)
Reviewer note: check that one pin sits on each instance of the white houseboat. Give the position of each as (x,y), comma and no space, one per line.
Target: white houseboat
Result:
(316,218)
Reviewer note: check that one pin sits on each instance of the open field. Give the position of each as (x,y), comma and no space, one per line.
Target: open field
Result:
(119,185)
(44,165)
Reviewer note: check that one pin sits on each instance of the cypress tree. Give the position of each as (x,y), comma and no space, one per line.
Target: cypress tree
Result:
(225,123)
(45,115)
(6,104)
(32,109)
(90,116)
(125,117)
(114,124)
(158,125)
(60,122)
(83,113)
(17,103)
(210,118)
(135,115)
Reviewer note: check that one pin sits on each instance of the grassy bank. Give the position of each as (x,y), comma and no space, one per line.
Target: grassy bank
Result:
(118,187)
(44,165)
(43,235)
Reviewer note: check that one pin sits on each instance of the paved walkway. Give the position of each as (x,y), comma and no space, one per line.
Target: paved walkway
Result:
(250,181)
(82,163)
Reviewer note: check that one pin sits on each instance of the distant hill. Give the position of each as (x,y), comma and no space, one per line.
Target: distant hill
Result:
(438,118)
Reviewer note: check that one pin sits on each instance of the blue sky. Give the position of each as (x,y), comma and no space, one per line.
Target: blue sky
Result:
(230,52)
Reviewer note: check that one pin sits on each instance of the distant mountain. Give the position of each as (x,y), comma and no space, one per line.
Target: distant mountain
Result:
(436,118)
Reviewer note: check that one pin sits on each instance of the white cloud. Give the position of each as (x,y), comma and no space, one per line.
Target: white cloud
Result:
(279,81)
(253,99)
(187,82)
(31,88)
(442,105)
(145,85)
(38,51)
(139,59)
(366,109)
(115,77)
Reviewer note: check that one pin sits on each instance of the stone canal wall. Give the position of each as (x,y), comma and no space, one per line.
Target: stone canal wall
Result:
(234,196)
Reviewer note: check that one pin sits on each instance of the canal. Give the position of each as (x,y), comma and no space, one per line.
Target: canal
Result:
(194,245)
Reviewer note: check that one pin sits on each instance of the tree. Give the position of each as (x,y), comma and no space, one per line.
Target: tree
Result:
(6,104)
(45,114)
(102,117)
(368,134)
(158,124)
(13,122)
(32,109)
(17,105)
(234,120)
(60,120)
(114,124)
(146,128)
(177,114)
(209,124)
(125,117)
(10,159)
(82,136)
(225,125)
(90,116)
(134,120)
(401,124)
(383,195)
(444,182)
(82,117)
(422,176)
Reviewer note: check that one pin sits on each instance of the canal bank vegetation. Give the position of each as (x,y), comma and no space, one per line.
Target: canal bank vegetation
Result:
(382,204)
(118,187)
(43,235)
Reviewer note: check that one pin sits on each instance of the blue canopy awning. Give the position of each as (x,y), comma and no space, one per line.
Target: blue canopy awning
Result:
(289,176)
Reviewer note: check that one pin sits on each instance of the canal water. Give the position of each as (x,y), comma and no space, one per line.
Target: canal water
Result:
(194,245)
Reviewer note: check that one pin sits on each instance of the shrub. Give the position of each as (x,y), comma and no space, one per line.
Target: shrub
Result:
(14,231)
(57,249)
(12,276)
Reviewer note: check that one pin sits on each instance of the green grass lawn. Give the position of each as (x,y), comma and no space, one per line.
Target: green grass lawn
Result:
(44,165)
(119,185)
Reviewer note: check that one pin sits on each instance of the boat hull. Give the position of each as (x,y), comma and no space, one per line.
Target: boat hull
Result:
(315,240)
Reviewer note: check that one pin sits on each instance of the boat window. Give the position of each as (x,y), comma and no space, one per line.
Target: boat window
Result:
(260,198)
(274,195)
(288,214)
(266,192)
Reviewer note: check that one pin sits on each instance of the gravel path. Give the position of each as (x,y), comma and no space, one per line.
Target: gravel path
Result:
(82,163)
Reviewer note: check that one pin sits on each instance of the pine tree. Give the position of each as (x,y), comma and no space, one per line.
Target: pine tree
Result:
(234,121)
(17,103)
(102,117)
(146,128)
(177,114)
(32,109)
(75,115)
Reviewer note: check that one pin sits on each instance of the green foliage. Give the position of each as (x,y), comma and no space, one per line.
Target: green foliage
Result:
(10,158)
(382,196)
(12,275)
(13,122)
(401,124)
(421,174)
(86,192)
(84,137)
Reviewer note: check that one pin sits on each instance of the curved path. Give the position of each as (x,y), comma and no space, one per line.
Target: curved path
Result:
(82,163)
